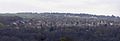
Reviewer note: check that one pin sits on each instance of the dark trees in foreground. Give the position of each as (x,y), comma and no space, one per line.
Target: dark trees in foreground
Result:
(63,34)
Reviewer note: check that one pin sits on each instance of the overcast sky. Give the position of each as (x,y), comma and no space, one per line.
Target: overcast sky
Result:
(98,7)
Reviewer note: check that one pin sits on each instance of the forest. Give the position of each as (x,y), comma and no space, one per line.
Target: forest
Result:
(58,27)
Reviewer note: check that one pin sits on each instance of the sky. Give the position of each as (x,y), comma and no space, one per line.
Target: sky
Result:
(97,7)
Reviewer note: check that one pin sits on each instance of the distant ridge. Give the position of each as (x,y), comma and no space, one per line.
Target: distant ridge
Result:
(57,13)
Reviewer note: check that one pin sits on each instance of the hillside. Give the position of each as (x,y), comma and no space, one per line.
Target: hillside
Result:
(58,27)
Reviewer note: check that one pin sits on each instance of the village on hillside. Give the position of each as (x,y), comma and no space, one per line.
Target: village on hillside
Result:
(58,27)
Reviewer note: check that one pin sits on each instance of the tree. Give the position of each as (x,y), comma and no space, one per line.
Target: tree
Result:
(65,39)
(1,25)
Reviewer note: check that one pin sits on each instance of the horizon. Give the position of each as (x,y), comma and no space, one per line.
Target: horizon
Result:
(58,12)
